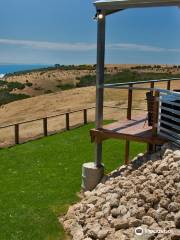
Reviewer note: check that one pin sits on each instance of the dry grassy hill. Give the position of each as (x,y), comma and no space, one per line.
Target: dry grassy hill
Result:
(49,81)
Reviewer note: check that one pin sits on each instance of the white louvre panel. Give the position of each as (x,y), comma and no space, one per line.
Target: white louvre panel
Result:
(169,117)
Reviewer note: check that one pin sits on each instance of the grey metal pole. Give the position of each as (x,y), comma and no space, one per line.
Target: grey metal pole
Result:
(99,84)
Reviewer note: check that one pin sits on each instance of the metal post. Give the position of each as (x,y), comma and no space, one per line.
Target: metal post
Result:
(129,109)
(99,84)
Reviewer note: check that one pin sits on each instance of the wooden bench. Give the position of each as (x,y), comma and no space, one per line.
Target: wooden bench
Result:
(136,130)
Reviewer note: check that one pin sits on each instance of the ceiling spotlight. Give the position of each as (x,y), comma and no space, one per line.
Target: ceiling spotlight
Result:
(100,16)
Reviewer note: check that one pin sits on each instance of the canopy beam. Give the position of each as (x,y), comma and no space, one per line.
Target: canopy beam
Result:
(113,5)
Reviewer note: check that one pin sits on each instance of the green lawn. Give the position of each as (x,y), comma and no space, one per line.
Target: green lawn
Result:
(39,179)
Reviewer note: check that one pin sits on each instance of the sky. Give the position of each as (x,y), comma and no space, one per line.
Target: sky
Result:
(64,32)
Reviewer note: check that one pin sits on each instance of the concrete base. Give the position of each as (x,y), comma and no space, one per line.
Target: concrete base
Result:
(91,176)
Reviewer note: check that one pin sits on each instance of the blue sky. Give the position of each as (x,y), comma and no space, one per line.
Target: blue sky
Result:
(62,31)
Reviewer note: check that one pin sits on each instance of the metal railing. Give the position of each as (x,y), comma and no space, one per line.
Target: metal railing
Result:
(130,87)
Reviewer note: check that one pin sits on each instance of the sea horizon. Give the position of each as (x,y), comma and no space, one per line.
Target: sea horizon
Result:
(11,68)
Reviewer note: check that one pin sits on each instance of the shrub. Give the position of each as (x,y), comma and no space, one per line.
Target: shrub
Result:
(38,88)
(29,84)
(66,86)
(15,85)
(122,77)
(2,83)
(48,91)
(41,73)
(88,80)
(6,97)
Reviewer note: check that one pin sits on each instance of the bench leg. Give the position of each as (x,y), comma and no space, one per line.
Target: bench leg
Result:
(127,147)
(150,148)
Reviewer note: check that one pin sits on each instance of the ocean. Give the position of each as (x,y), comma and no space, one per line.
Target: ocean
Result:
(10,68)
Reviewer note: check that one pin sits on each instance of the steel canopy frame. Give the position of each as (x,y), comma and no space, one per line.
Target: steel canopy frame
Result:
(114,5)
(104,8)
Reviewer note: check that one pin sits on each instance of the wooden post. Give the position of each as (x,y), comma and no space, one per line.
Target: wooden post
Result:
(127,146)
(150,148)
(152,86)
(67,122)
(16,133)
(129,109)
(169,85)
(85,116)
(155,113)
(45,127)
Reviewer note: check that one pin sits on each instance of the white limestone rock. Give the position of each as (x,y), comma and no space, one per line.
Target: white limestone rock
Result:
(144,194)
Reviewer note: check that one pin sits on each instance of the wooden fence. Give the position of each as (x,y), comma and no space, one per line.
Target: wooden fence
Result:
(45,123)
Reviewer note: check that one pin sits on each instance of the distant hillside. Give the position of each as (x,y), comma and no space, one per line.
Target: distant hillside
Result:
(37,82)
(125,76)
(49,80)
(6,91)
